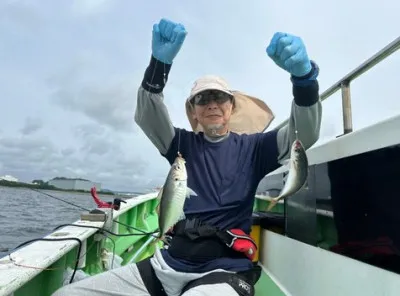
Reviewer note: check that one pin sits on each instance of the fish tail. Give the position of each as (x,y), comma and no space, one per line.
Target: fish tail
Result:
(157,239)
(272,204)
(155,242)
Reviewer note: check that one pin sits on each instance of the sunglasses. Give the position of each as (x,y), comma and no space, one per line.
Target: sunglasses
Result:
(205,97)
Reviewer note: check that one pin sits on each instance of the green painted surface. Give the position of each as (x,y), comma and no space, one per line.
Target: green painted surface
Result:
(262,205)
(41,285)
(93,264)
(142,217)
(267,287)
(145,218)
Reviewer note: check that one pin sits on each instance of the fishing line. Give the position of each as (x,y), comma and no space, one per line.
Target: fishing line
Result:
(179,142)
(52,196)
(102,229)
(154,72)
(110,232)
(59,268)
(165,82)
(134,228)
(113,252)
(126,225)
(295,130)
(50,239)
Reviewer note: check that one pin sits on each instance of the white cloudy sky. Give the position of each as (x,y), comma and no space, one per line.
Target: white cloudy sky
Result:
(69,72)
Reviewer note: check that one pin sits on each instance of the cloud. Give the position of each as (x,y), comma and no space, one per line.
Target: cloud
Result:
(39,158)
(70,72)
(94,140)
(107,101)
(20,15)
(111,106)
(19,154)
(32,125)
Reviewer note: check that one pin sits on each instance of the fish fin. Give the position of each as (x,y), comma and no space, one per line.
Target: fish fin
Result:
(272,204)
(158,198)
(295,165)
(190,192)
(160,193)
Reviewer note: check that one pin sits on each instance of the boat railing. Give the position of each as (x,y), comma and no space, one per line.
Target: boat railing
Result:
(344,84)
(43,254)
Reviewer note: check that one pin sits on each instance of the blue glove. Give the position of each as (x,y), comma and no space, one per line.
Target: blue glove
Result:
(167,40)
(289,53)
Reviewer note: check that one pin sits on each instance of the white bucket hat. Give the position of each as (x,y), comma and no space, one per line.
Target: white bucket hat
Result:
(250,114)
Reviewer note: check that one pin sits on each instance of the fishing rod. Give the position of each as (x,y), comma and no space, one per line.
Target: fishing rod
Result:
(80,207)
(52,196)
(100,229)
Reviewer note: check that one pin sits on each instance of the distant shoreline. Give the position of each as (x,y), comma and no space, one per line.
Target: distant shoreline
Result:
(5,183)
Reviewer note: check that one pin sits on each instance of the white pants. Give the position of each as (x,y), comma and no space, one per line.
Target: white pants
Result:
(126,281)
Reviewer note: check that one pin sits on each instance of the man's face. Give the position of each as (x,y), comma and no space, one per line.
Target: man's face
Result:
(212,109)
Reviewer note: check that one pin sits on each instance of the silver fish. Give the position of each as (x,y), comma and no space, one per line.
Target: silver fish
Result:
(298,173)
(172,196)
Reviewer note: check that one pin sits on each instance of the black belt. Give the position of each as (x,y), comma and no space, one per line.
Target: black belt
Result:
(196,241)
(242,282)
(150,279)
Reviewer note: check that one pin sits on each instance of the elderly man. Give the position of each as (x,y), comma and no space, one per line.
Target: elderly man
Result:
(226,155)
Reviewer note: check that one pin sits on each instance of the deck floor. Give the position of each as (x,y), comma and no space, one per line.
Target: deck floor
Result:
(266,286)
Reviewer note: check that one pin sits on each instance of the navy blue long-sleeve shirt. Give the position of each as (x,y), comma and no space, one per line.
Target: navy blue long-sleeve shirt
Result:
(224,173)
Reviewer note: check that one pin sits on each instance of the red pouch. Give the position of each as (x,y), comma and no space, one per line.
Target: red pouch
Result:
(242,242)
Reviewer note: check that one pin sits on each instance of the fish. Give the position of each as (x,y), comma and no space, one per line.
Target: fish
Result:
(172,196)
(298,173)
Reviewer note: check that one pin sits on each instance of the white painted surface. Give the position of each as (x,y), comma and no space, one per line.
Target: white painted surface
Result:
(382,134)
(309,271)
(42,254)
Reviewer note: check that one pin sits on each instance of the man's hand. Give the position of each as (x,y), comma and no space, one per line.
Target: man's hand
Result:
(168,38)
(289,53)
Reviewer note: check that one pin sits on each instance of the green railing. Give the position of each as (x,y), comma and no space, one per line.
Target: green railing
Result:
(344,84)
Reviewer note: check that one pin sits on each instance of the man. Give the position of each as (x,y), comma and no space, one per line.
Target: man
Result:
(224,169)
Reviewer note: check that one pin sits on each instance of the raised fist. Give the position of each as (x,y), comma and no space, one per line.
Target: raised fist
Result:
(289,53)
(168,38)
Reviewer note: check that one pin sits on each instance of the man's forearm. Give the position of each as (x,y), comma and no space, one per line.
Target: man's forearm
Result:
(305,115)
(151,113)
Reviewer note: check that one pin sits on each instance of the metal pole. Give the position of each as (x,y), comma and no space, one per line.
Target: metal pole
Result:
(142,248)
(364,67)
(346,107)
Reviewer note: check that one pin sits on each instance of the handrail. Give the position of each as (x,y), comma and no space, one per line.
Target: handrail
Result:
(344,84)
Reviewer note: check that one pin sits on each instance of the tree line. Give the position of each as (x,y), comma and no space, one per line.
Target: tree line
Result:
(40,184)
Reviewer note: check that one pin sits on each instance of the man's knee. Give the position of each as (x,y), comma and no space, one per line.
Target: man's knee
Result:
(220,283)
(221,289)
(64,291)
(125,278)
